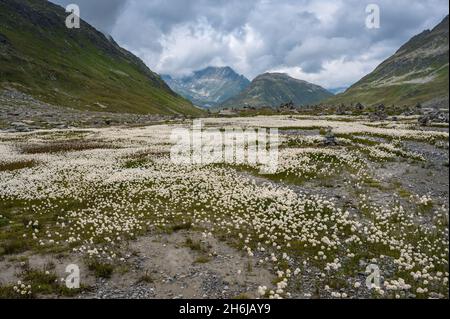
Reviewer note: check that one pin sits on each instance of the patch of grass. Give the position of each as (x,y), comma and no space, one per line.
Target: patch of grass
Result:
(299,178)
(141,159)
(136,163)
(425,208)
(373,183)
(101,270)
(69,292)
(242,296)
(183,226)
(46,283)
(14,166)
(404,193)
(146,278)
(249,267)
(13,246)
(337,282)
(7,292)
(193,245)
(3,222)
(62,147)
(364,140)
(18,213)
(202,260)
(123,269)
(276,280)
(300,128)
(41,282)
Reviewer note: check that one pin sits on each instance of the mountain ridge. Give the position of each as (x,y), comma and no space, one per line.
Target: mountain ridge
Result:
(416,73)
(208,87)
(275,89)
(79,68)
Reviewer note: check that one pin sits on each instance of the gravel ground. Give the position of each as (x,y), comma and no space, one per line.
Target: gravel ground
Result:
(22,113)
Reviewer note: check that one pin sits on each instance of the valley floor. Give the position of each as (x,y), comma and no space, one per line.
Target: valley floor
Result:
(111,201)
(20,112)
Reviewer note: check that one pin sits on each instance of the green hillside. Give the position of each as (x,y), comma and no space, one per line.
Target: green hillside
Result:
(417,72)
(79,68)
(275,89)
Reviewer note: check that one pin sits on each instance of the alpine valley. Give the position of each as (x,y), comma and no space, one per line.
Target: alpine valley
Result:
(209,87)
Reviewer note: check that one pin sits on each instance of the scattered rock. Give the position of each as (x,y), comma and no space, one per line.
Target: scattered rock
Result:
(379,114)
(359,107)
(433,117)
(330,138)
(19,110)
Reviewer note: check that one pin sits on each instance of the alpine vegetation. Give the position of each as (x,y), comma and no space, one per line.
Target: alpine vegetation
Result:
(180,150)
(312,226)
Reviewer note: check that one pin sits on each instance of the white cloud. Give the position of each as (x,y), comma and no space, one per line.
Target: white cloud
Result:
(323,41)
(334,74)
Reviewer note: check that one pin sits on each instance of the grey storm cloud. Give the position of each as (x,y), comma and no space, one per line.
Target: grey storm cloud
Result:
(323,41)
(100,13)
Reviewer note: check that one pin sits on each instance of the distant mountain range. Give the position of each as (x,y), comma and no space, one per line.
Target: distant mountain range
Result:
(78,68)
(209,87)
(84,69)
(417,72)
(338,90)
(275,89)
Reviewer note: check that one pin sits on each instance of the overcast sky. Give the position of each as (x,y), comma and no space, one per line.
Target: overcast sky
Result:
(322,41)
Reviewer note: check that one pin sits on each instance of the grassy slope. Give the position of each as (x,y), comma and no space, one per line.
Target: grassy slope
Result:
(274,89)
(413,60)
(405,94)
(77,68)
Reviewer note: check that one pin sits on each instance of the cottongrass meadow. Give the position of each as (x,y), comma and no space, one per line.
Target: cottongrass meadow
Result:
(379,197)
